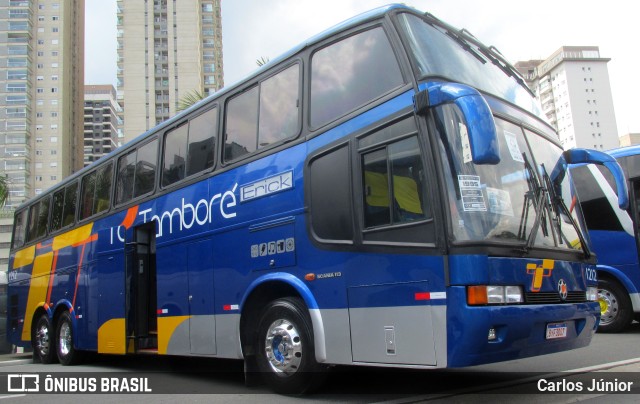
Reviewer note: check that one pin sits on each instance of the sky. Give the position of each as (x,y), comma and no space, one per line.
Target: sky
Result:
(252,29)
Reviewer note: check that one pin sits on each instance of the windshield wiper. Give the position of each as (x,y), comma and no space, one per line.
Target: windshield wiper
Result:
(534,196)
(560,209)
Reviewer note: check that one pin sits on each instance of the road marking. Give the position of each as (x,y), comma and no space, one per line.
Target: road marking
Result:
(604,366)
(13,396)
(15,362)
(496,386)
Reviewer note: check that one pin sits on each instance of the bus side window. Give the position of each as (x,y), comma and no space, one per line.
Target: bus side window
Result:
(175,155)
(136,172)
(266,114)
(57,210)
(393,184)
(19,229)
(330,196)
(63,209)
(242,125)
(96,188)
(350,73)
(202,141)
(70,201)
(279,107)
(125,175)
(38,219)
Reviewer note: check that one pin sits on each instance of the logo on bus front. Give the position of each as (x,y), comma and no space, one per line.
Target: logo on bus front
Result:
(539,272)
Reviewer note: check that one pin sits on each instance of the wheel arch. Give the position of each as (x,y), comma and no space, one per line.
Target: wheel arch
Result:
(271,287)
(613,273)
(39,311)
(60,307)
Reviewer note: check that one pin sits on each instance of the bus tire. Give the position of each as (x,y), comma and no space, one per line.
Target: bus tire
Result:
(67,354)
(44,340)
(615,306)
(285,348)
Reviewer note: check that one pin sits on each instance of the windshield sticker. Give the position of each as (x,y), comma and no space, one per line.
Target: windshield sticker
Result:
(464,140)
(512,144)
(499,202)
(471,192)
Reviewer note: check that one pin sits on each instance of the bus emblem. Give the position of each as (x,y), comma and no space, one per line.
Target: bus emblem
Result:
(562,289)
(539,272)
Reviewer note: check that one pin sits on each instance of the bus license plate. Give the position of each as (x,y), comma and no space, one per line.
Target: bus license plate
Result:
(557,330)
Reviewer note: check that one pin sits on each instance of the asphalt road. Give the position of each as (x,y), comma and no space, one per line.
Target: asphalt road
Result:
(610,357)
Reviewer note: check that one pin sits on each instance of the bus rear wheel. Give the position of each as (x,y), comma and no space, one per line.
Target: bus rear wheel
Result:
(67,354)
(286,353)
(616,312)
(43,340)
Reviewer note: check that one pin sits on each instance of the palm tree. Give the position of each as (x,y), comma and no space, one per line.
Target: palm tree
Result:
(189,99)
(262,61)
(4,192)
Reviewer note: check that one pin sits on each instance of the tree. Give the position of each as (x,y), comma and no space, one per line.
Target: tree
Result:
(262,61)
(190,98)
(4,191)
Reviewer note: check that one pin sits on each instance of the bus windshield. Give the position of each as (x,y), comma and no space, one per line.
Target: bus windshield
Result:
(465,62)
(515,201)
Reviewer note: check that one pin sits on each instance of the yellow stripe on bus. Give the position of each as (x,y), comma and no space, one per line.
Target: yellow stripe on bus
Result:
(112,337)
(72,237)
(166,327)
(37,290)
(24,257)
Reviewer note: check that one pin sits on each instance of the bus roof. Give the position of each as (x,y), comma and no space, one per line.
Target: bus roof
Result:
(349,23)
(624,151)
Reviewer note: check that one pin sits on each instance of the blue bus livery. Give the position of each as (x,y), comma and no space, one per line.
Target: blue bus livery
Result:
(386,194)
(614,237)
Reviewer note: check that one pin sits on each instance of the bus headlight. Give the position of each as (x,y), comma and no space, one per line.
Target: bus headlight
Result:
(592,293)
(494,294)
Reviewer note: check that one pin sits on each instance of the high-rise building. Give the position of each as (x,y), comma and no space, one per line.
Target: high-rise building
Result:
(166,49)
(41,81)
(573,87)
(100,122)
(629,139)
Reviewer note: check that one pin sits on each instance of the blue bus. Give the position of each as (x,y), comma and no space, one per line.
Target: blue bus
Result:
(614,236)
(388,193)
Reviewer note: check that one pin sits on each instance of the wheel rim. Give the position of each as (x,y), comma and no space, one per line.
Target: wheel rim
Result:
(42,339)
(283,347)
(65,339)
(609,307)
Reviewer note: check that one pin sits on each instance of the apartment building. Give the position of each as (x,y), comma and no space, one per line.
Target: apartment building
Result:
(41,82)
(166,49)
(100,122)
(574,89)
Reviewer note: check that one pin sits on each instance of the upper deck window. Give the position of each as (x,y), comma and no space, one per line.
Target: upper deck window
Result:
(63,211)
(19,229)
(38,219)
(350,73)
(96,188)
(137,172)
(265,114)
(190,148)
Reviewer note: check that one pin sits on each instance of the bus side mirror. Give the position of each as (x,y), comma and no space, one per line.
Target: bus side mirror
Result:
(481,128)
(587,156)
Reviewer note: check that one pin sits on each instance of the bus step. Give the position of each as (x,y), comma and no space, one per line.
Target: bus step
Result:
(150,342)
(148,351)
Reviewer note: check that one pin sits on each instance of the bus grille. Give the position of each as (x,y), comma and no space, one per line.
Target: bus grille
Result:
(554,297)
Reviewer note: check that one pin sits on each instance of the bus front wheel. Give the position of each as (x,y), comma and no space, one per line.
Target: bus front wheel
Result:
(43,340)
(616,312)
(67,354)
(286,354)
